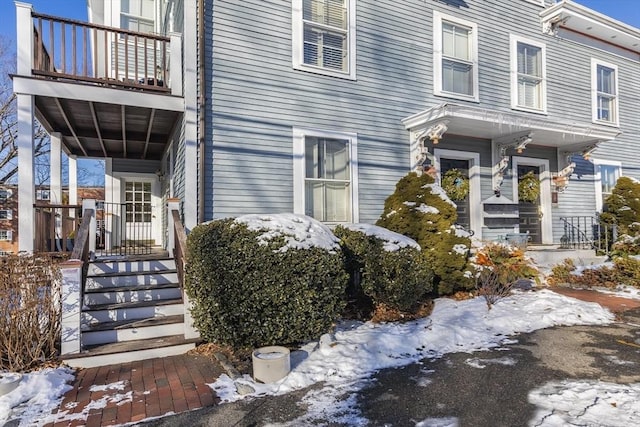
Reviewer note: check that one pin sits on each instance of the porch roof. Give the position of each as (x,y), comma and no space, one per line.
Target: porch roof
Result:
(485,123)
(97,121)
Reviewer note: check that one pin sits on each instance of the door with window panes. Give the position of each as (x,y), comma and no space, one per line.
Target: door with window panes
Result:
(138,213)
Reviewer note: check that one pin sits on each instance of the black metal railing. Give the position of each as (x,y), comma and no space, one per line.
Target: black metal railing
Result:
(587,232)
(126,229)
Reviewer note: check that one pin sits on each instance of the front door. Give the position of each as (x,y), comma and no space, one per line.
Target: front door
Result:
(138,213)
(530,210)
(464,217)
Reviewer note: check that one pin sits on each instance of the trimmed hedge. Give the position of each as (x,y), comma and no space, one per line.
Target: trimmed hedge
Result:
(386,269)
(420,209)
(252,288)
(623,206)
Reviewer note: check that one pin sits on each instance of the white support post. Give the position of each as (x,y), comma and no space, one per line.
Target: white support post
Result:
(26,182)
(55,168)
(91,204)
(24,33)
(73,180)
(175,64)
(71,272)
(172,205)
(190,208)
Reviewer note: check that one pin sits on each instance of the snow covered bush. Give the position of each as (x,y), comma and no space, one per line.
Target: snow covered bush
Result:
(626,244)
(384,268)
(420,209)
(566,273)
(264,279)
(623,206)
(30,302)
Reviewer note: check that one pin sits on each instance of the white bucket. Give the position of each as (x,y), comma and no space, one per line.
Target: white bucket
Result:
(271,363)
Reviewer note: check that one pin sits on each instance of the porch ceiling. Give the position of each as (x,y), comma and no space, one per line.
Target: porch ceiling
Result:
(493,124)
(105,122)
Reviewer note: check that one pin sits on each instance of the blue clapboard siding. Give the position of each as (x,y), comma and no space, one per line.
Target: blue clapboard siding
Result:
(255,98)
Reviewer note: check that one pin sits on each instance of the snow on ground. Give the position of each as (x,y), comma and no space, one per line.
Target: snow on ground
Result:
(621,291)
(345,360)
(586,403)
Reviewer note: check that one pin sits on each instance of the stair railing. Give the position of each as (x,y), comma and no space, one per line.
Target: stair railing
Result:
(180,244)
(587,232)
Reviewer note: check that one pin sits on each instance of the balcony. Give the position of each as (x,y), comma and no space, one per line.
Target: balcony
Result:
(109,92)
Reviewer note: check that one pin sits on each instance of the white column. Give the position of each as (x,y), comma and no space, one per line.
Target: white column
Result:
(73,180)
(55,168)
(26,182)
(175,66)
(190,207)
(71,272)
(24,33)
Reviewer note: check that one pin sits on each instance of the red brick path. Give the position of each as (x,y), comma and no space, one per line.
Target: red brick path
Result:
(139,390)
(614,303)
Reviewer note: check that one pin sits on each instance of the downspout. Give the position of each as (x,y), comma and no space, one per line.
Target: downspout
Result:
(201,112)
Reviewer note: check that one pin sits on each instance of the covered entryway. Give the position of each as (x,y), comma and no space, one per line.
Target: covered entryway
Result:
(462,206)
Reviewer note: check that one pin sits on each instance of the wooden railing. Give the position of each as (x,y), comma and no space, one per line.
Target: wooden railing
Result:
(180,245)
(81,51)
(55,227)
(81,246)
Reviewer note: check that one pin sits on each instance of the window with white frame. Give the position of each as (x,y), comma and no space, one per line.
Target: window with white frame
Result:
(138,15)
(528,74)
(455,57)
(604,87)
(6,235)
(43,194)
(607,174)
(6,214)
(324,36)
(325,183)
(5,194)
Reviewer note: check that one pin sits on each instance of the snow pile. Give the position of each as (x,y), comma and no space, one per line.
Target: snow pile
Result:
(299,231)
(392,241)
(355,351)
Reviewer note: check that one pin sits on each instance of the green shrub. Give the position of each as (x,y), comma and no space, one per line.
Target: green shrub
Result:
(623,206)
(420,209)
(263,280)
(385,267)
(626,245)
(627,271)
(567,274)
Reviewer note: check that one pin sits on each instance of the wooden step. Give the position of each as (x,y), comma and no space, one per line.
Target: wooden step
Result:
(130,266)
(128,330)
(131,310)
(108,296)
(131,279)
(132,323)
(129,351)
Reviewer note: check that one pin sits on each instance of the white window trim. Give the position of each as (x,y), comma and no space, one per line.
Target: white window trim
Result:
(594,93)
(9,213)
(297,43)
(299,175)
(9,194)
(546,222)
(475,202)
(513,42)
(598,178)
(9,236)
(437,56)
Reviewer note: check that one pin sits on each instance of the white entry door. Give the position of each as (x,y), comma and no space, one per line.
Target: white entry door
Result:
(138,198)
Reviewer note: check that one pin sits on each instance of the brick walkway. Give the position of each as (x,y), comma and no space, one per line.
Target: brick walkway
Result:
(614,303)
(130,392)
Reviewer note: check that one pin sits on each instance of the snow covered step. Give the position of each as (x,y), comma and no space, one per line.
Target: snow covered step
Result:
(112,332)
(131,294)
(129,311)
(111,267)
(131,279)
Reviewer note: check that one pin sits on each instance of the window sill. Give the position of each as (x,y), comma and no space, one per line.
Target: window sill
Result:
(605,123)
(470,98)
(325,72)
(530,110)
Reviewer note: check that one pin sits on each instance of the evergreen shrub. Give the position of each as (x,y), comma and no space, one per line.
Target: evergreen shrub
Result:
(623,206)
(420,209)
(384,268)
(264,279)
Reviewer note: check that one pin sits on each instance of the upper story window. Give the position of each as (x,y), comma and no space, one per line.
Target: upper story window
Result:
(604,88)
(138,15)
(324,37)
(325,175)
(6,214)
(528,75)
(5,194)
(455,57)
(43,195)
(6,235)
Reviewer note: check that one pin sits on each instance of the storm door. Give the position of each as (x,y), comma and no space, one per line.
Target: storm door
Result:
(463,209)
(530,213)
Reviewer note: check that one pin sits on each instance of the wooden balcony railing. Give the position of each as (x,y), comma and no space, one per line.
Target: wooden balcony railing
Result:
(80,51)
(56,227)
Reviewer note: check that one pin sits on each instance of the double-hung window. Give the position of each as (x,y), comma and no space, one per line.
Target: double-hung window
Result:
(138,15)
(604,88)
(5,194)
(455,57)
(325,175)
(6,235)
(528,75)
(324,37)
(6,214)
(607,174)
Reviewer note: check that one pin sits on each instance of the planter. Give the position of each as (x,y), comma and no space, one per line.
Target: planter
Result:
(9,382)
(271,363)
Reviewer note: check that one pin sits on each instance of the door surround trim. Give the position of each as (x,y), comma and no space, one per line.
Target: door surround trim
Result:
(546,226)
